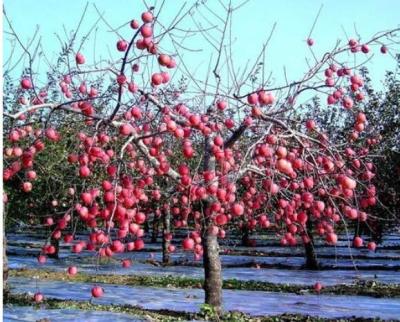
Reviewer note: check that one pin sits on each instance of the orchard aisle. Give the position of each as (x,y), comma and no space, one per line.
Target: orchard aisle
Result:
(271,275)
(189,300)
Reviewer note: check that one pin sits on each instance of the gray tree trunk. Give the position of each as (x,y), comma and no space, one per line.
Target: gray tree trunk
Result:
(212,272)
(166,258)
(245,237)
(311,257)
(211,259)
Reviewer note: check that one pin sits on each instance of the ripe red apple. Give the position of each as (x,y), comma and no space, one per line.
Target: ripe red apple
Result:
(331,238)
(221,105)
(347,103)
(97,291)
(126,129)
(331,100)
(357,242)
(121,79)
(310,124)
(165,77)
(126,263)
(365,49)
(188,152)
(86,198)
(26,83)
(372,246)
(361,117)
(122,45)
(353,42)
(134,24)
(284,166)
(139,244)
(38,297)
(318,287)
(72,270)
(172,64)
(188,243)
(252,99)
(237,209)
(256,111)
(348,183)
(80,59)
(156,79)
(49,221)
(77,248)
(68,238)
(146,31)
(84,171)
(31,175)
(164,60)
(27,186)
(221,219)
(147,17)
(42,259)
(218,140)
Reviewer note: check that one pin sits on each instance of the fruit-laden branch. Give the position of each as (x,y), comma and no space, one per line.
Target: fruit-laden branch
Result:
(122,70)
(136,139)
(314,70)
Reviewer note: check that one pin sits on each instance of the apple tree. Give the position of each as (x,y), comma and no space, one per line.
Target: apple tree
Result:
(143,135)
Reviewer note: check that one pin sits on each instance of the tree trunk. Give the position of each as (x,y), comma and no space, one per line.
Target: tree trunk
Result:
(211,259)
(245,237)
(212,272)
(6,288)
(154,233)
(146,227)
(166,258)
(311,256)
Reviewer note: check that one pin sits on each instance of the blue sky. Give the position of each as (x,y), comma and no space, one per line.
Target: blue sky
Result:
(251,26)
